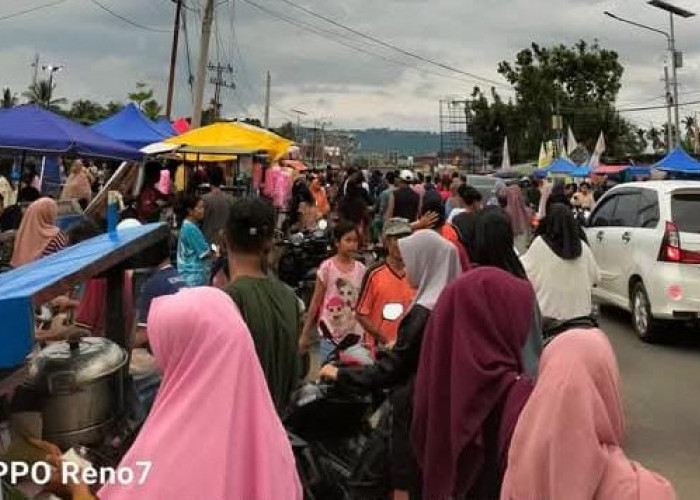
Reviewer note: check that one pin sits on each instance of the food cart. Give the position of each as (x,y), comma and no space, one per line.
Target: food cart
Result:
(24,289)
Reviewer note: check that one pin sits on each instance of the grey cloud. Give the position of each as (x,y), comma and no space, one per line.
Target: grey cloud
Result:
(104,57)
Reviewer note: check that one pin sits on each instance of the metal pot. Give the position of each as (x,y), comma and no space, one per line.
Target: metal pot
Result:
(79,385)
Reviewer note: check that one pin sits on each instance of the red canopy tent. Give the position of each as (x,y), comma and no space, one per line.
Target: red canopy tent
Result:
(610,169)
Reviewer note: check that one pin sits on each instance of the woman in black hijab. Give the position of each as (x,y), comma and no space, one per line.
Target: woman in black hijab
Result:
(561,232)
(493,243)
(494,246)
(561,267)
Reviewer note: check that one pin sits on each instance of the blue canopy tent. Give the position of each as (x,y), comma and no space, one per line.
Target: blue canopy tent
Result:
(561,166)
(679,162)
(581,171)
(32,128)
(165,127)
(131,127)
(640,171)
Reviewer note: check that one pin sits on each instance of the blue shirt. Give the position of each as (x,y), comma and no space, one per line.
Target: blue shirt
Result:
(163,281)
(192,255)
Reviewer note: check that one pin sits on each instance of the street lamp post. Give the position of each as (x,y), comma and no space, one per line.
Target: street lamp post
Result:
(51,69)
(668,39)
(675,56)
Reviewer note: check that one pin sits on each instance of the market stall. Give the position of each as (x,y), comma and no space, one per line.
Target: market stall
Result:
(233,136)
(132,127)
(678,162)
(561,166)
(33,129)
(165,127)
(33,284)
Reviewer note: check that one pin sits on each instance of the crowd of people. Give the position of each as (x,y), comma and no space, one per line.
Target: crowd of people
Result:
(500,381)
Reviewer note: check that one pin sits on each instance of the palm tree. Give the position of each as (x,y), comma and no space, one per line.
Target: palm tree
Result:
(9,100)
(41,93)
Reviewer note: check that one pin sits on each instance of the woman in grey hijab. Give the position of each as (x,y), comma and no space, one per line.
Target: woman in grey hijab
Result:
(431,264)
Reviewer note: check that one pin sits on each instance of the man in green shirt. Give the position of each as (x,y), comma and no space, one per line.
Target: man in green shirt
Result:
(269,307)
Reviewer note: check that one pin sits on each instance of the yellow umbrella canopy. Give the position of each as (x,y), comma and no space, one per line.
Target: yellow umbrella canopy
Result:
(223,140)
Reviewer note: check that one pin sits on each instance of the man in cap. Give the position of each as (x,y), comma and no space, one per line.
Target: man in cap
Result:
(404,201)
(385,284)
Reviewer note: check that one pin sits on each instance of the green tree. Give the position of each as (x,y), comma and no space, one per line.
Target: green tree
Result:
(9,100)
(152,109)
(113,107)
(141,95)
(253,121)
(690,124)
(581,83)
(87,112)
(41,93)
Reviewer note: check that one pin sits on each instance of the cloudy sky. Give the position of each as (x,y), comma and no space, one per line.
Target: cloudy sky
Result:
(336,77)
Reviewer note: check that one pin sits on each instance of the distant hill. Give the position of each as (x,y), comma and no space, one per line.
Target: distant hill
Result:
(404,142)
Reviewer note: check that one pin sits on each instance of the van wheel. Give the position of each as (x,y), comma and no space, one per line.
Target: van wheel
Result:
(641,314)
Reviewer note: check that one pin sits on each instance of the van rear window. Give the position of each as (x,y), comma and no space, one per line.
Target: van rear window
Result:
(685,209)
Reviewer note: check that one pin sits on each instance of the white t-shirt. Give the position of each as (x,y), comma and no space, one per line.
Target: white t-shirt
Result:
(563,287)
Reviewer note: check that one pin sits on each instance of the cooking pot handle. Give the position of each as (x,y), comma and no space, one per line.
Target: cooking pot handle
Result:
(56,382)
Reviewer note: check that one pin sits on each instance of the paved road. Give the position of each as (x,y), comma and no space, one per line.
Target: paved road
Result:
(661,391)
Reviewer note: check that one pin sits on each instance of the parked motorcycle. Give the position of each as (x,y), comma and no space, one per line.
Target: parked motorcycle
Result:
(302,254)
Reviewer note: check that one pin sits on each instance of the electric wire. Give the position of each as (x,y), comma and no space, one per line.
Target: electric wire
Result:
(333,36)
(32,9)
(397,48)
(190,76)
(129,21)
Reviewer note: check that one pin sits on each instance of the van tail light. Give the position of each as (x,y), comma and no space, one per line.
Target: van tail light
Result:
(671,250)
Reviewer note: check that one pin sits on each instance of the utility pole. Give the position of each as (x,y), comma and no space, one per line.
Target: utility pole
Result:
(173,59)
(219,82)
(207,22)
(675,62)
(669,98)
(268,84)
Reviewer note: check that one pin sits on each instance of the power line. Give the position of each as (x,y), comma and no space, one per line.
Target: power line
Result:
(129,21)
(190,76)
(396,48)
(649,108)
(33,9)
(333,36)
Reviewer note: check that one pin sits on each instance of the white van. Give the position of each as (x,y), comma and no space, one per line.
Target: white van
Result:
(646,239)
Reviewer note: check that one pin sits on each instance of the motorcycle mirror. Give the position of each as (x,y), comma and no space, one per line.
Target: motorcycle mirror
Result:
(392,312)
(296,239)
(323,224)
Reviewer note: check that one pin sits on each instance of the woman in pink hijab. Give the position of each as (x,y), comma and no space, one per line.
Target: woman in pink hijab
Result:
(568,441)
(519,217)
(213,431)
(38,235)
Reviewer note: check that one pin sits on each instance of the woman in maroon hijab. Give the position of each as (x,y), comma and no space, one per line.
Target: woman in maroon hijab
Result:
(471,384)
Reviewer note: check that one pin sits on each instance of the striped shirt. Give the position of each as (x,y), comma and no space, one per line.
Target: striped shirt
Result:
(59,242)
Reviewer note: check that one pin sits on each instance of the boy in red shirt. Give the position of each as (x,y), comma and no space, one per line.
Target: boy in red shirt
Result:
(385,283)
